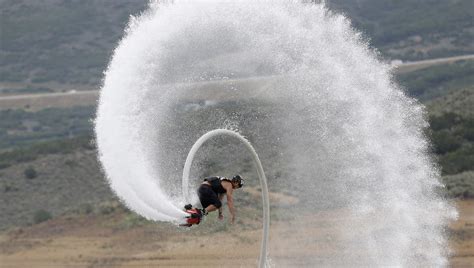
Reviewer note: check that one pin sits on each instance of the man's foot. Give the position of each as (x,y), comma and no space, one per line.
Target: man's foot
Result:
(194,216)
(195,212)
(198,213)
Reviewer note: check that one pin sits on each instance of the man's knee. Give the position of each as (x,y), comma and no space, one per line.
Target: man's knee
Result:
(218,204)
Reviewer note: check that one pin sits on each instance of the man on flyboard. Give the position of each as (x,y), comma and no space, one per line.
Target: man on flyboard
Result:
(211,192)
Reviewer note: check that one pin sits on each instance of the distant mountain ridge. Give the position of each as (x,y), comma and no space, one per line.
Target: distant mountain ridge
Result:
(71,41)
(65,41)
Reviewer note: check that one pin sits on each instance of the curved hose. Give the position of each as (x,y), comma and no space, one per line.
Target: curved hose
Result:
(261,176)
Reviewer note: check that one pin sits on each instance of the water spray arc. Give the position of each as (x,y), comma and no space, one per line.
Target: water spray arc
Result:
(345,144)
(261,175)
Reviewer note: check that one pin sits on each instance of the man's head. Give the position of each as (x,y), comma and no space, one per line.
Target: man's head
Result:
(237,182)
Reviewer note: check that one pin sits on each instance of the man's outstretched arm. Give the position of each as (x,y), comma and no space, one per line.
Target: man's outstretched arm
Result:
(230,204)
(221,216)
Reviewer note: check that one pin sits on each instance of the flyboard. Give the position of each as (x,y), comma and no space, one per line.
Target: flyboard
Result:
(194,217)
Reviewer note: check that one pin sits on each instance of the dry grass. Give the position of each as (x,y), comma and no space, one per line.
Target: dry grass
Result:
(93,241)
(462,236)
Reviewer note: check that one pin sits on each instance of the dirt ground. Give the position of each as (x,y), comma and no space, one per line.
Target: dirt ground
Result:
(107,241)
(462,236)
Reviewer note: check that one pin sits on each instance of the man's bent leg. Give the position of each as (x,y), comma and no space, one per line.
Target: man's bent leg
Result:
(214,206)
(209,199)
(210,208)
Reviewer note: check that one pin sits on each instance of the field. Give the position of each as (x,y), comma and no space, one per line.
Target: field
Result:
(56,209)
(123,240)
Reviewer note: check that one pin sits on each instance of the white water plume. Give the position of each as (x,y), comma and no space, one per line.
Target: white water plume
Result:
(330,125)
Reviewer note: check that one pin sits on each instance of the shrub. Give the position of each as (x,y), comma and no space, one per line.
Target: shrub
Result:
(86,209)
(30,173)
(468,133)
(32,152)
(458,161)
(69,163)
(460,185)
(7,188)
(445,121)
(111,207)
(133,220)
(105,210)
(446,142)
(41,216)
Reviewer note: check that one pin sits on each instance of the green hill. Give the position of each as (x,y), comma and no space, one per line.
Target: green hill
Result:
(459,102)
(63,41)
(49,179)
(19,128)
(70,42)
(452,133)
(436,81)
(413,29)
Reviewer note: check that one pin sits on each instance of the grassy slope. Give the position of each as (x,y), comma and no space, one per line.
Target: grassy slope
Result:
(452,132)
(21,128)
(437,81)
(459,102)
(67,175)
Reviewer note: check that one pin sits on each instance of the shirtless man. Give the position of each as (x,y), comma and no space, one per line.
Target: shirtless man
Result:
(212,191)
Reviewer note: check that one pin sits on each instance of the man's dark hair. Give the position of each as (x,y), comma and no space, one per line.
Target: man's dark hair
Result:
(239,180)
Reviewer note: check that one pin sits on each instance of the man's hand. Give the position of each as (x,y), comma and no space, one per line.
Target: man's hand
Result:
(221,217)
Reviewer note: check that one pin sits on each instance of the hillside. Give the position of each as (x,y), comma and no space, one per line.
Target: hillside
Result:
(452,132)
(412,30)
(458,102)
(67,167)
(437,81)
(63,41)
(49,179)
(70,42)
(21,128)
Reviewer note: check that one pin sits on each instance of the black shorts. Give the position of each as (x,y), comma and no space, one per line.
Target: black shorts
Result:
(208,197)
